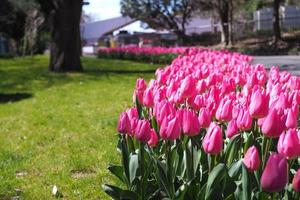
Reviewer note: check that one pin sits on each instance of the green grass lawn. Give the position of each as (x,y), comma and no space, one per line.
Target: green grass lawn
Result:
(59,129)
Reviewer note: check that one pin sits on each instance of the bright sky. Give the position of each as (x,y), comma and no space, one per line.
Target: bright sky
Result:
(105,9)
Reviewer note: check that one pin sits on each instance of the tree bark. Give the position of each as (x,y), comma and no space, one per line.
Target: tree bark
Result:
(224,28)
(223,11)
(65,45)
(276,20)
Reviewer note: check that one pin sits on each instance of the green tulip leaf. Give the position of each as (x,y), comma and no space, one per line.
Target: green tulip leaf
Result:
(214,178)
(245,183)
(118,171)
(133,167)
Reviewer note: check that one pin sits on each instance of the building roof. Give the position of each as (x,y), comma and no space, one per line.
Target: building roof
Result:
(93,31)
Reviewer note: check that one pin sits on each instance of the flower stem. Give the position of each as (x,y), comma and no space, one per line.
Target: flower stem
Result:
(142,160)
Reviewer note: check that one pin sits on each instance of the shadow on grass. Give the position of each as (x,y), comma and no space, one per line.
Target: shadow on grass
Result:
(97,71)
(14,97)
(29,75)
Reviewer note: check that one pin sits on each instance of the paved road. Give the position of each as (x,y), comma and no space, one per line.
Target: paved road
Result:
(288,63)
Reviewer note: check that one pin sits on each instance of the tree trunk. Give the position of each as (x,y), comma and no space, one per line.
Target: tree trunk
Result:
(181,36)
(65,45)
(276,20)
(224,28)
(223,10)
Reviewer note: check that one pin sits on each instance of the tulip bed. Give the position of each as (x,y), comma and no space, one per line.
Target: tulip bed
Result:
(211,126)
(158,55)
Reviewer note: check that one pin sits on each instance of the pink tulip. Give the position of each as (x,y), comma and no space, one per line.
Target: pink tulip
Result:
(296,181)
(133,118)
(244,120)
(190,123)
(289,144)
(273,124)
(170,128)
(259,104)
(124,123)
(251,159)
(232,129)
(148,100)
(198,102)
(275,175)
(143,131)
(213,141)
(204,118)
(224,111)
(187,87)
(291,120)
(153,139)
(201,86)
(140,84)
(163,109)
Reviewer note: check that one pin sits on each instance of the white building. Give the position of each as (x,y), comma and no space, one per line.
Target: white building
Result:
(91,32)
(289,18)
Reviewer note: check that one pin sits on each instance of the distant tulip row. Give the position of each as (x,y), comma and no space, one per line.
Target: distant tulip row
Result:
(211,126)
(161,55)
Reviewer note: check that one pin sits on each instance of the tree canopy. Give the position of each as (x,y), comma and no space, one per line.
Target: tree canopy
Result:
(161,14)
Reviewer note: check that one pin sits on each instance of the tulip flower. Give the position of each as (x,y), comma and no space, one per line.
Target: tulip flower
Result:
(251,159)
(148,100)
(140,85)
(275,175)
(224,111)
(244,120)
(291,120)
(259,104)
(133,118)
(124,123)
(143,131)
(163,109)
(204,118)
(190,123)
(273,124)
(232,129)
(201,86)
(296,181)
(213,141)
(170,128)
(289,144)
(187,87)
(153,139)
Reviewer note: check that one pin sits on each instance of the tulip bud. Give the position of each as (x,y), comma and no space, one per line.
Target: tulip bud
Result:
(296,181)
(170,128)
(232,129)
(289,144)
(224,111)
(124,123)
(204,118)
(153,139)
(259,104)
(291,120)
(187,87)
(275,175)
(133,118)
(190,123)
(140,84)
(213,141)
(251,159)
(148,98)
(273,124)
(244,120)
(143,131)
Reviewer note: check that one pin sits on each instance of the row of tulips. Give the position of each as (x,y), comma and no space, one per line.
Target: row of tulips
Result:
(211,126)
(159,55)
